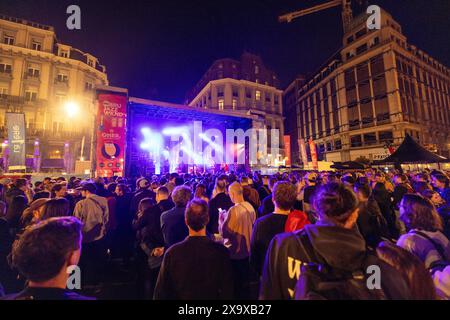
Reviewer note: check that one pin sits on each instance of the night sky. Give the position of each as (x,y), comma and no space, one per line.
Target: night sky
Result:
(160,49)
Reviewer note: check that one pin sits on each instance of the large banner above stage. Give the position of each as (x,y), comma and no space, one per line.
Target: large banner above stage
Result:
(111,134)
(16,140)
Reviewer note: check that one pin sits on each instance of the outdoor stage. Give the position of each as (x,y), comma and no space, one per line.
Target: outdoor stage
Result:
(164,137)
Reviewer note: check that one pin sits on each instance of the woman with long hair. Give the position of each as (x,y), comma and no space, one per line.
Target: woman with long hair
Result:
(413,270)
(424,238)
(200,192)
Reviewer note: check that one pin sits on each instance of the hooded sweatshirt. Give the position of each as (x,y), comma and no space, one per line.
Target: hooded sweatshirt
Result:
(340,248)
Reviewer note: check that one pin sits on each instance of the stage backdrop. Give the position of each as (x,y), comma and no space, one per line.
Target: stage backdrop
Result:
(16,140)
(111,134)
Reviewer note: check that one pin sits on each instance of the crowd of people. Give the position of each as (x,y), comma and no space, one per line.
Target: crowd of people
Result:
(298,235)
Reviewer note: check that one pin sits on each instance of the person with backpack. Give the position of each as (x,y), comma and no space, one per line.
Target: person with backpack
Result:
(327,260)
(424,238)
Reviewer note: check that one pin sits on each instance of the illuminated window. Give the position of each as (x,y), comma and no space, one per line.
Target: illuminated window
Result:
(64,53)
(258,95)
(221,104)
(234,104)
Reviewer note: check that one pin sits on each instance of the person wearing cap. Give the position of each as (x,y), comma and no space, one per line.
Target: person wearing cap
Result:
(142,191)
(33,213)
(94,214)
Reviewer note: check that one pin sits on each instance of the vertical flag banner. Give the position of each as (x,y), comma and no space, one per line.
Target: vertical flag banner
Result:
(312,147)
(287,146)
(16,140)
(111,134)
(302,146)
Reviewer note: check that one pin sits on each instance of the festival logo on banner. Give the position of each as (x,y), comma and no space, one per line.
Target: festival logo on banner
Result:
(16,138)
(111,134)
(312,147)
(302,146)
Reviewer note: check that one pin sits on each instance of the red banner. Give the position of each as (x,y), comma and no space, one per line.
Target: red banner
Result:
(302,146)
(287,145)
(312,147)
(111,134)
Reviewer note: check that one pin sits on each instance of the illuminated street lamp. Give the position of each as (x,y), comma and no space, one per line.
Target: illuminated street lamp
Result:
(72,109)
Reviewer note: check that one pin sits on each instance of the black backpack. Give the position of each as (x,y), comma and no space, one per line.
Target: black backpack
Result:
(319,281)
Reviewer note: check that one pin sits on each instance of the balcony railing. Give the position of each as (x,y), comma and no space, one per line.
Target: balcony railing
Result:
(19,102)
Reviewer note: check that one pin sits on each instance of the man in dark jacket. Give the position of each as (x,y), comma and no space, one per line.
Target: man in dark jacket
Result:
(173,228)
(220,201)
(267,205)
(264,190)
(19,188)
(142,192)
(333,239)
(47,276)
(196,268)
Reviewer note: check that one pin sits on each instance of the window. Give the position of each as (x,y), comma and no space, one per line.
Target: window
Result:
(360,33)
(258,95)
(276,99)
(33,72)
(90,62)
(235,92)
(382,110)
(362,72)
(386,137)
(356,141)
(248,94)
(221,104)
(367,113)
(268,97)
(361,49)
(60,99)
(5,68)
(370,139)
(234,104)
(377,65)
(338,144)
(62,78)
(220,92)
(256,70)
(36,45)
(88,86)
(30,95)
(64,54)
(349,78)
(350,39)
(3,93)
(8,39)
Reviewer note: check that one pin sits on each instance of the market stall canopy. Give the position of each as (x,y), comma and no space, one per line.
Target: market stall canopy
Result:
(412,152)
(349,165)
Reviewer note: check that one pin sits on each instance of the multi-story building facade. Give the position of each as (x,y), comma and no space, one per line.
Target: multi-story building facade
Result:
(245,86)
(373,92)
(39,76)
